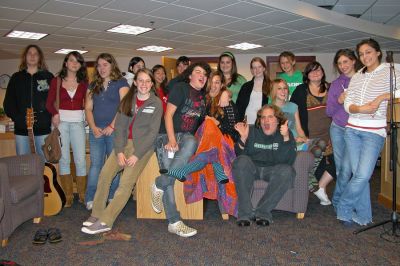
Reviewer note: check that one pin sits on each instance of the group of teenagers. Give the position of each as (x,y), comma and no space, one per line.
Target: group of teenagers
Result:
(212,130)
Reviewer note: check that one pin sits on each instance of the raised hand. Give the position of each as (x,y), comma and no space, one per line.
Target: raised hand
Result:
(284,130)
(243,129)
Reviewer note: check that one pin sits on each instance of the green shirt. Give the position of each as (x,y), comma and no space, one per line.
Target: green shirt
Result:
(235,88)
(293,81)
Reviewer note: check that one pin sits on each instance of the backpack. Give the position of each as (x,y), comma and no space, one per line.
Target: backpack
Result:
(52,146)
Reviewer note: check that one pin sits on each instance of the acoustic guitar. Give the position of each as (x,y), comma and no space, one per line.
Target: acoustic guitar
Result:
(54,197)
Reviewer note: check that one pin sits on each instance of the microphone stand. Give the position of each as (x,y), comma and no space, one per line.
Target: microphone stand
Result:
(392,159)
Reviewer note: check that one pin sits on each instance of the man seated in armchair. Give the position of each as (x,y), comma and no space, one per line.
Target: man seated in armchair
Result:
(265,151)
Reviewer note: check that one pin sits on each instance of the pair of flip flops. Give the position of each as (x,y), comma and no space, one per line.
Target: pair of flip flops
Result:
(53,235)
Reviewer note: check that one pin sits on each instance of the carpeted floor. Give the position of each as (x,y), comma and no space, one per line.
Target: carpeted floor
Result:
(317,240)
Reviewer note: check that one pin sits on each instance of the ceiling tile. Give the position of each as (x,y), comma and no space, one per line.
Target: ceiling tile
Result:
(384,10)
(191,38)
(271,31)
(220,42)
(198,47)
(319,41)
(296,36)
(207,5)
(22,4)
(186,27)
(76,32)
(175,12)
(44,18)
(89,2)
(302,24)
(110,15)
(243,10)
(290,46)
(7,24)
(62,8)
(270,41)
(113,36)
(162,34)
(243,37)
(13,14)
(34,27)
(216,32)
(88,24)
(211,19)
(62,39)
(349,36)
(137,6)
(243,25)
(151,21)
(274,18)
(327,30)
(376,19)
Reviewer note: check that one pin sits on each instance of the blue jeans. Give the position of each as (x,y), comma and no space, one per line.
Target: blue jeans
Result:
(187,147)
(363,149)
(100,148)
(342,161)
(73,134)
(22,145)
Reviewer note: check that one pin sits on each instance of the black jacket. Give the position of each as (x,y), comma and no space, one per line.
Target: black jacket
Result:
(267,150)
(244,98)
(24,91)
(299,97)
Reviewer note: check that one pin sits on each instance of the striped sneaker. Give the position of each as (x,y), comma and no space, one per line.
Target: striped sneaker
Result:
(156,199)
(181,229)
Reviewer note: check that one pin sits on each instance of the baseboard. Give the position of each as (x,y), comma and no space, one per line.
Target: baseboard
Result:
(387,202)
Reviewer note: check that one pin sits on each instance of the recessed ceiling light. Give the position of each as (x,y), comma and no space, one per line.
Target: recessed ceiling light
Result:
(153,48)
(244,46)
(128,29)
(26,35)
(66,51)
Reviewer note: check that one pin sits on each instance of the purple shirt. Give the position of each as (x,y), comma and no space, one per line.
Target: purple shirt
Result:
(333,108)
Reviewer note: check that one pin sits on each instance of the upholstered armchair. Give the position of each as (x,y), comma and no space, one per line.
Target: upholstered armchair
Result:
(21,192)
(296,199)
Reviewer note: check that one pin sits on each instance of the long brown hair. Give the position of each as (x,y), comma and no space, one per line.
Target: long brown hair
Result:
(215,110)
(125,106)
(41,64)
(266,86)
(81,75)
(97,84)
(324,86)
(234,71)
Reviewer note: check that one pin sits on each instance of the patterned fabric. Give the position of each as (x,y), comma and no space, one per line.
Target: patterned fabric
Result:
(204,183)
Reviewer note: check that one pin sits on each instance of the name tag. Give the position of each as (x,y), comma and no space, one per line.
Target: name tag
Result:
(149,109)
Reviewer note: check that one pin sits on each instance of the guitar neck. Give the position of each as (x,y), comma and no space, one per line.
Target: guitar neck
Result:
(29,125)
(31,140)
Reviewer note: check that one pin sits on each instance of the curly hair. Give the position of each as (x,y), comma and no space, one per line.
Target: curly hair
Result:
(277,113)
(97,84)
(188,71)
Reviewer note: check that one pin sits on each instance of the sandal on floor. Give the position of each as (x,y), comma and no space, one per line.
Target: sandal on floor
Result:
(54,235)
(40,237)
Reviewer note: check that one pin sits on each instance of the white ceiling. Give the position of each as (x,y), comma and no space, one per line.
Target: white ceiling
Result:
(197,26)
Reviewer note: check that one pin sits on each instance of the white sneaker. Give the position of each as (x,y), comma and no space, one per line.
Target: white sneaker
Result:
(181,229)
(156,199)
(323,197)
(91,220)
(89,205)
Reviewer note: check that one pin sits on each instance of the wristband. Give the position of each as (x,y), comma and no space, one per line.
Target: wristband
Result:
(240,142)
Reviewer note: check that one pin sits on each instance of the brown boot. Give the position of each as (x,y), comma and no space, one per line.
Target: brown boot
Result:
(67,186)
(81,182)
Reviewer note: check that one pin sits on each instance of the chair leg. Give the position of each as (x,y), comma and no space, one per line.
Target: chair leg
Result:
(4,242)
(225,216)
(300,215)
(37,220)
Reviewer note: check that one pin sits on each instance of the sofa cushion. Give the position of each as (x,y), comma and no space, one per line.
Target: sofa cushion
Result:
(21,187)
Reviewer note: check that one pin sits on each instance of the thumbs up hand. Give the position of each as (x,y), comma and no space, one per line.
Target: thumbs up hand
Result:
(284,129)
